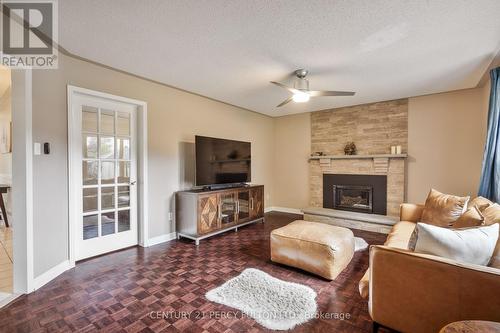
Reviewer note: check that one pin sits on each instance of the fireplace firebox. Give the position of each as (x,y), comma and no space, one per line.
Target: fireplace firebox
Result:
(358,193)
(353,197)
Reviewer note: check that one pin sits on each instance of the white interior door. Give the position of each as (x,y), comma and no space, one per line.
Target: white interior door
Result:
(106,154)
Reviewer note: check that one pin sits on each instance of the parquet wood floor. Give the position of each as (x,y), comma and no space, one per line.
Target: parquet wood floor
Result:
(127,291)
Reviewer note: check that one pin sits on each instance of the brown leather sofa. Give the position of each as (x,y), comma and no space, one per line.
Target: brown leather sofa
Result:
(419,293)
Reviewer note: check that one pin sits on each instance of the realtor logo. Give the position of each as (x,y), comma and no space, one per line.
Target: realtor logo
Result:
(29,31)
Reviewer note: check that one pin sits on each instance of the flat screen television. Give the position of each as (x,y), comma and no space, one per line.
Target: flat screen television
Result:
(221,161)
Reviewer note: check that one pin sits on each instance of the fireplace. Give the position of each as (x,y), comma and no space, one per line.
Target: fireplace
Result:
(353,197)
(358,193)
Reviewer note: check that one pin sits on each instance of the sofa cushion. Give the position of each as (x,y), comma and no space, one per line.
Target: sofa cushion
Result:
(491,216)
(398,238)
(400,235)
(471,218)
(443,209)
(470,245)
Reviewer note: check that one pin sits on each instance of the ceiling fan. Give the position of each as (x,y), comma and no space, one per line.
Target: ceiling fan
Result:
(301,92)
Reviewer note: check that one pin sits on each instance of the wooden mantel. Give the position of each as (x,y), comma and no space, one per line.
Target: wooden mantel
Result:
(353,157)
(380,161)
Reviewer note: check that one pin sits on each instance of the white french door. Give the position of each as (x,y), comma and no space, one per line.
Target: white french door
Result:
(104,159)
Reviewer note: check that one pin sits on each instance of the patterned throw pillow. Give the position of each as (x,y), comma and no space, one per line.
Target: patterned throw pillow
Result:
(443,209)
(471,218)
(481,203)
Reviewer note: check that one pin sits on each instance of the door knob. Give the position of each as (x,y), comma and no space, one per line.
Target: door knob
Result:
(133,183)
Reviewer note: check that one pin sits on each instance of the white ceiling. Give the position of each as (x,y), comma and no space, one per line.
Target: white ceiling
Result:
(230,50)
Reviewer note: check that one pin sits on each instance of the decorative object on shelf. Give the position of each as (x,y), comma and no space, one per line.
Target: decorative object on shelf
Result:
(393,150)
(233,155)
(318,153)
(350,148)
(398,150)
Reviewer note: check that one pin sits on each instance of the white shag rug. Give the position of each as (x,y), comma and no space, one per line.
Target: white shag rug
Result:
(360,244)
(273,303)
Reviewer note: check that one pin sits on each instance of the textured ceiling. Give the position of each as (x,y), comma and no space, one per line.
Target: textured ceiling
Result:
(230,50)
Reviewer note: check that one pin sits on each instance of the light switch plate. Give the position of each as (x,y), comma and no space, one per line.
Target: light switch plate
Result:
(37,149)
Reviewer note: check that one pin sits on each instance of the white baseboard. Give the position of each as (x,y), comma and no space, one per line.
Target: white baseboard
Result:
(51,274)
(5,298)
(161,239)
(284,210)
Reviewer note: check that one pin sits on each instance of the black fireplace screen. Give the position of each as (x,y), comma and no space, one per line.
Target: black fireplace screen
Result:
(353,197)
(359,193)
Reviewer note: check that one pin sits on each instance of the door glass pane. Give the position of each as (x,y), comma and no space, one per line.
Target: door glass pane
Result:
(89,172)
(107,122)
(228,208)
(107,172)
(107,147)
(90,226)
(89,145)
(108,197)
(123,123)
(123,220)
(123,148)
(89,119)
(107,223)
(123,196)
(123,172)
(244,205)
(90,199)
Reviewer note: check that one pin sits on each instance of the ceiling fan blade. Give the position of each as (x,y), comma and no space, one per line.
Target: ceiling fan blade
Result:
(292,90)
(314,93)
(288,100)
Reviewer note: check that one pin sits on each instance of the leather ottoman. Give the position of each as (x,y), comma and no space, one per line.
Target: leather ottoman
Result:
(318,248)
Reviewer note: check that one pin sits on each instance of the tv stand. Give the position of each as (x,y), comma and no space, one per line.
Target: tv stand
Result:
(200,214)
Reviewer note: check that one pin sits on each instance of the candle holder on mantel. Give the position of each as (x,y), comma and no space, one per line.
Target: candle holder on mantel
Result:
(350,148)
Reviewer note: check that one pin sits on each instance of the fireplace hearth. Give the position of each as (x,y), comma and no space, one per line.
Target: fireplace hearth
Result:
(357,193)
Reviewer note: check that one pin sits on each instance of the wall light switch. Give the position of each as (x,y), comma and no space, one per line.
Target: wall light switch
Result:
(37,149)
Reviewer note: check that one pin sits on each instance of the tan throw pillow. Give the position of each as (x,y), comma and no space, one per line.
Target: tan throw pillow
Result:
(491,216)
(469,245)
(443,209)
(481,203)
(471,218)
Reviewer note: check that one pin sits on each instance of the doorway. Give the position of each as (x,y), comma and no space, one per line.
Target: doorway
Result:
(107,172)
(6,237)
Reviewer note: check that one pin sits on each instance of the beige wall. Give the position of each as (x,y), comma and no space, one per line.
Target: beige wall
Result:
(174,117)
(446,134)
(292,146)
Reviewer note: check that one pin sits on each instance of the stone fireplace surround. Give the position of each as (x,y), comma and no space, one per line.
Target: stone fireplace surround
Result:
(374,128)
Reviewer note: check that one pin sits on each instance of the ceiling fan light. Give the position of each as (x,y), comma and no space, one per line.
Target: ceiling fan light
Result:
(300,97)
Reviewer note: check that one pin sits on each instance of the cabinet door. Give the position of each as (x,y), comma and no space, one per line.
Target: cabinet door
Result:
(256,202)
(228,208)
(243,205)
(208,219)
